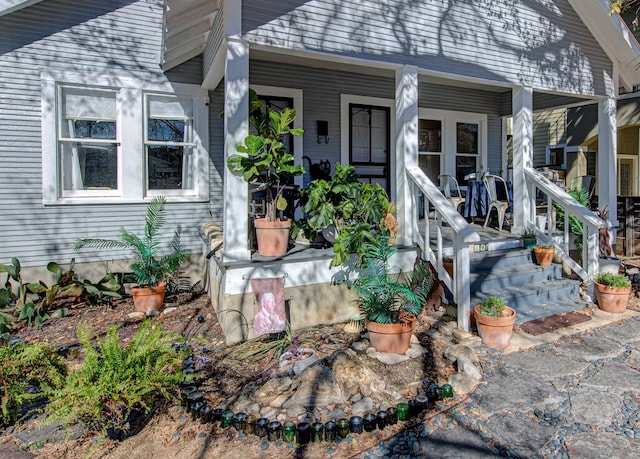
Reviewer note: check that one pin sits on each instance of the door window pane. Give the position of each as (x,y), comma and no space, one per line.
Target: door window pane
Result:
(467,138)
(430,135)
(430,164)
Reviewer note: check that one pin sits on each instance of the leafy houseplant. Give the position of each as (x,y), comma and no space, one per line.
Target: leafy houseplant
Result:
(612,291)
(149,269)
(27,372)
(360,213)
(544,254)
(119,384)
(389,300)
(264,159)
(495,320)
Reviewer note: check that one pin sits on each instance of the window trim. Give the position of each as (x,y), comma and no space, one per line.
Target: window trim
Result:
(130,137)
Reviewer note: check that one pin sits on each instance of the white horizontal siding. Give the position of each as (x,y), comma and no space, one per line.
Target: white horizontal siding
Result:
(526,42)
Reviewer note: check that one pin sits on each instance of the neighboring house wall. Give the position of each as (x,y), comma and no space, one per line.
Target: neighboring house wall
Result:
(543,45)
(549,128)
(98,37)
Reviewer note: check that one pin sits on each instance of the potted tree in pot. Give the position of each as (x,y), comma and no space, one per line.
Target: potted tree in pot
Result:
(264,159)
(149,269)
(612,291)
(544,254)
(495,320)
(388,299)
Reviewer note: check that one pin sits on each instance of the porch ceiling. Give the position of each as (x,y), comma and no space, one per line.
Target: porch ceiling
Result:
(187,24)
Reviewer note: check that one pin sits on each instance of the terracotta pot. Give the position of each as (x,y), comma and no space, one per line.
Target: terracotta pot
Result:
(273,237)
(544,257)
(448,267)
(147,299)
(612,299)
(495,331)
(390,338)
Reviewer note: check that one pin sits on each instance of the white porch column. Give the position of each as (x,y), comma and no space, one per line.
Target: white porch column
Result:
(236,127)
(406,147)
(522,154)
(607,149)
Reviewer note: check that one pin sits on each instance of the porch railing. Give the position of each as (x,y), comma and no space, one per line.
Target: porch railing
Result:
(427,196)
(590,223)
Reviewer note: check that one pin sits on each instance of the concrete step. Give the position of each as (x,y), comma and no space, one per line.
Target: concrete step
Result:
(499,259)
(525,274)
(528,296)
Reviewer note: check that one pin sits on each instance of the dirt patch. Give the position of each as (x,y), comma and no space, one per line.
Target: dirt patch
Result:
(171,433)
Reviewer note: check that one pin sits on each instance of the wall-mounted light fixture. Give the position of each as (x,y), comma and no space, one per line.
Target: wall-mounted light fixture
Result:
(322,131)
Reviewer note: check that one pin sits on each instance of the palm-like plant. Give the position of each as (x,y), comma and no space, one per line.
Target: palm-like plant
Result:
(147,267)
(384,293)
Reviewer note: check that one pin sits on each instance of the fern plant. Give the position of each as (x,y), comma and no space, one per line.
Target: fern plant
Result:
(23,365)
(385,292)
(116,379)
(148,268)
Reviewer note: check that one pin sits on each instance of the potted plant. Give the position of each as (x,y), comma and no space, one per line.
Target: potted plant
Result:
(264,159)
(612,291)
(529,239)
(390,300)
(494,320)
(544,254)
(355,212)
(150,270)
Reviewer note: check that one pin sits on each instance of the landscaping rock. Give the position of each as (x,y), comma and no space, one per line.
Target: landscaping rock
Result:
(466,366)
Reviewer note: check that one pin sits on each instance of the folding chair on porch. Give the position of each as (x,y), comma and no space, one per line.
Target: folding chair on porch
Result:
(495,203)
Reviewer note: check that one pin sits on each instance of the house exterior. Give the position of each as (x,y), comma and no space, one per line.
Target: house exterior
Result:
(107,104)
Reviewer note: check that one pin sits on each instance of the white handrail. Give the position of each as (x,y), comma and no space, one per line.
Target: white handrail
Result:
(463,235)
(591,223)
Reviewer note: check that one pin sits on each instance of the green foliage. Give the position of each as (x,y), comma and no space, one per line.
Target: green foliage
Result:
(575,226)
(492,306)
(384,292)
(264,157)
(613,280)
(116,379)
(147,267)
(545,246)
(23,365)
(357,210)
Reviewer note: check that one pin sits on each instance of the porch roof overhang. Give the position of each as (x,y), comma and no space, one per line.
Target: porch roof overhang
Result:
(614,36)
(187,24)
(9,6)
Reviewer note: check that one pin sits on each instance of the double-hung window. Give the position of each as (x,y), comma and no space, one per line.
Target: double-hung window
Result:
(88,142)
(122,140)
(169,143)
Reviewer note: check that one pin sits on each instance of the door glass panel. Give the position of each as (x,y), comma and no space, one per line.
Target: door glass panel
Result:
(430,135)
(369,149)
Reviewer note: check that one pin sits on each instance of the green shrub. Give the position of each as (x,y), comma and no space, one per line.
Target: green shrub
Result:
(116,379)
(613,280)
(385,293)
(492,306)
(23,365)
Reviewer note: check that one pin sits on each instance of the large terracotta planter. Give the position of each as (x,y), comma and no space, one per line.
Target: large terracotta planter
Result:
(448,267)
(495,331)
(273,237)
(147,299)
(544,256)
(612,299)
(390,338)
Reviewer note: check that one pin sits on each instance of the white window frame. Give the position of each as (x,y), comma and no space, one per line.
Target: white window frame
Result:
(449,119)
(130,126)
(440,154)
